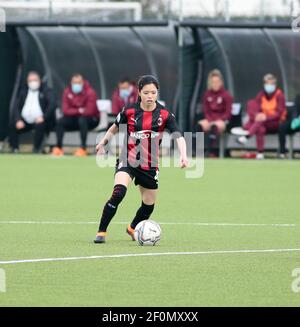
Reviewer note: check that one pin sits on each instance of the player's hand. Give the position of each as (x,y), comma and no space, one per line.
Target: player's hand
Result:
(183,162)
(20,124)
(81,110)
(100,148)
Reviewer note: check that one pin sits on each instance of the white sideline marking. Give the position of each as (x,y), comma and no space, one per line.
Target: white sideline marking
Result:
(146,255)
(161,223)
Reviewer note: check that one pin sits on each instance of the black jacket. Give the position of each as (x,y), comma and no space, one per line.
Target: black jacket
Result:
(47,102)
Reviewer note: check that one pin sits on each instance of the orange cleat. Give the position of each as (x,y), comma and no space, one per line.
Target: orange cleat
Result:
(80,153)
(58,152)
(130,232)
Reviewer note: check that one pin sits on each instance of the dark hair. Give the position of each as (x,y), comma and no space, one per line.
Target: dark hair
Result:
(125,79)
(77,75)
(147,79)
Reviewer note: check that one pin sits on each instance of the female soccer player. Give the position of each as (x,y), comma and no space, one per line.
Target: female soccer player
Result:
(145,122)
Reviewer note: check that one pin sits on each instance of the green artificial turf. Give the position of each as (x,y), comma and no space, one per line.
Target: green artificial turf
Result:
(72,191)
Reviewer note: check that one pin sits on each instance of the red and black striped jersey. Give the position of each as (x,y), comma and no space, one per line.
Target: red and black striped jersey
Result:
(144,131)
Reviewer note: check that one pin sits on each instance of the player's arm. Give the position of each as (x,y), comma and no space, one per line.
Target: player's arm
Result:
(182,149)
(107,137)
(172,126)
(120,119)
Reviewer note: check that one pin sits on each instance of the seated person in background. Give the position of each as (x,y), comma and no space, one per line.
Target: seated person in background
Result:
(79,113)
(34,109)
(125,93)
(217,105)
(265,114)
(290,126)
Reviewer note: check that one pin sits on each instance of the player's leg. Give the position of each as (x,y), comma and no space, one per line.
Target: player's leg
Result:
(145,210)
(122,180)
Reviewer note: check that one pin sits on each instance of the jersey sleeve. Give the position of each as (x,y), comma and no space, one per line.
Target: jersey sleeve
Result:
(172,126)
(121,118)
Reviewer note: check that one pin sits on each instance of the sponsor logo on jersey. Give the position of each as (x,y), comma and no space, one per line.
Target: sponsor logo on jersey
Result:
(145,134)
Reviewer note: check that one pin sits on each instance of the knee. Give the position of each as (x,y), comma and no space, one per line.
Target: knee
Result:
(205,125)
(149,197)
(221,126)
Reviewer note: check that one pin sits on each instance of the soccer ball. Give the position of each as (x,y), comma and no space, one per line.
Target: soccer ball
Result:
(147,232)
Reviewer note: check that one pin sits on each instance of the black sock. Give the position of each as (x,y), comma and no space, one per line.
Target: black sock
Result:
(111,206)
(143,213)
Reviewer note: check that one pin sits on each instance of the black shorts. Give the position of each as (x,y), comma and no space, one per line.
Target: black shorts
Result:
(146,178)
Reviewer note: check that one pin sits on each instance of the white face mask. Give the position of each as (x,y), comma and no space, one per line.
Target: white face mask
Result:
(270,88)
(34,85)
